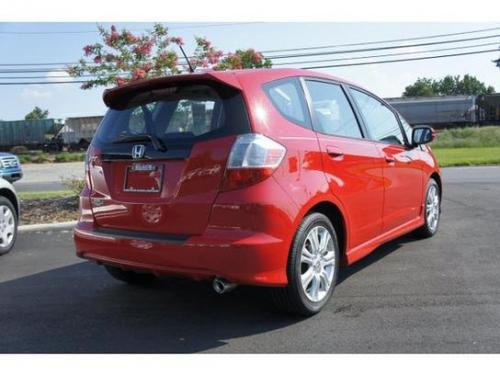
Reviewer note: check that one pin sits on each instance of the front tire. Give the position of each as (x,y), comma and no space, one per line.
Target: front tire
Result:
(312,267)
(130,277)
(8,225)
(432,210)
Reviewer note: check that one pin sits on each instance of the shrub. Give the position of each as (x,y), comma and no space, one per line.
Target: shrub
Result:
(65,157)
(74,184)
(19,150)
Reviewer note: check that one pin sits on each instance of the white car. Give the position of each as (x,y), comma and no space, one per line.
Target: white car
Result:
(9,216)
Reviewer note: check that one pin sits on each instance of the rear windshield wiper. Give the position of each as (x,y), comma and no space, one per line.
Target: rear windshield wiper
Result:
(156,142)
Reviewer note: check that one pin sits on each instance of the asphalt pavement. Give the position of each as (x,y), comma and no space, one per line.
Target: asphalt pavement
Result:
(48,177)
(439,295)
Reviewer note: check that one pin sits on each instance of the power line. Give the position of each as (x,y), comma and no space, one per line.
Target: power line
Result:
(39,83)
(284,63)
(385,55)
(306,48)
(382,41)
(47,70)
(310,67)
(401,60)
(135,30)
(380,48)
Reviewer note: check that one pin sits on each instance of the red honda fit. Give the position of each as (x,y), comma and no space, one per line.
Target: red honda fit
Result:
(270,177)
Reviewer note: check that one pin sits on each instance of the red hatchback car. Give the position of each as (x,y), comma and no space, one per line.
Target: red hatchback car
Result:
(271,177)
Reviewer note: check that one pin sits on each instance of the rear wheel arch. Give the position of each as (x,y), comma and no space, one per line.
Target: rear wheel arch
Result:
(335,215)
(11,196)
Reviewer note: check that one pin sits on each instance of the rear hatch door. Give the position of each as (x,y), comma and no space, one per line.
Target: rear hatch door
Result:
(158,158)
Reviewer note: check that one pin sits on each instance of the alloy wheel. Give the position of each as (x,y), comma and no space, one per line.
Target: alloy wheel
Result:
(432,208)
(7,226)
(317,263)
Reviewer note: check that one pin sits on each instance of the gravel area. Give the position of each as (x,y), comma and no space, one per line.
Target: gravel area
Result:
(50,210)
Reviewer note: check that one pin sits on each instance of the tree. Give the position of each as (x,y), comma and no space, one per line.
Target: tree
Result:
(37,114)
(124,57)
(497,62)
(449,85)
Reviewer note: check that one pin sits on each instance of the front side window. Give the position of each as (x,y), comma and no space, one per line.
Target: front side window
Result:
(380,120)
(287,97)
(332,112)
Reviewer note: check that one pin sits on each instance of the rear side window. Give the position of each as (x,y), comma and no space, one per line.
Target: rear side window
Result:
(332,112)
(185,114)
(380,120)
(288,98)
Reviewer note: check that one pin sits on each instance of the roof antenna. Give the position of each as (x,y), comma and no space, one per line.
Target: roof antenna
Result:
(191,70)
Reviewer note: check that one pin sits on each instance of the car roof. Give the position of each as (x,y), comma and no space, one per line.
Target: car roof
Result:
(115,96)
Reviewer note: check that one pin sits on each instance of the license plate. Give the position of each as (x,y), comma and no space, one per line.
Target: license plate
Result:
(143,178)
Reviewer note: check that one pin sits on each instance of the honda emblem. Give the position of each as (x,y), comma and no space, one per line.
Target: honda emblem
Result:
(138,151)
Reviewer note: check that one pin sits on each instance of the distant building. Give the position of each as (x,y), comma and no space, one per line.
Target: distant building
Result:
(79,130)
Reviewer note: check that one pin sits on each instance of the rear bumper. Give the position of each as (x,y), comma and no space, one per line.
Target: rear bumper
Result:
(243,257)
(11,175)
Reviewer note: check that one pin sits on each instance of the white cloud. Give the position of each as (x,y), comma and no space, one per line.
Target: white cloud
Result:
(58,76)
(36,92)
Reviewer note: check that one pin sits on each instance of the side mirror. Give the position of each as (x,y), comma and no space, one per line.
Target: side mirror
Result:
(422,134)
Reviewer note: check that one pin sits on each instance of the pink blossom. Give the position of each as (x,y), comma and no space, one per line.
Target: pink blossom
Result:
(88,49)
(138,74)
(98,59)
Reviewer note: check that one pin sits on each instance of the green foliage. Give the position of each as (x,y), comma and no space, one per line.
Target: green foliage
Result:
(74,184)
(37,114)
(449,85)
(448,157)
(124,57)
(38,157)
(65,157)
(30,195)
(488,136)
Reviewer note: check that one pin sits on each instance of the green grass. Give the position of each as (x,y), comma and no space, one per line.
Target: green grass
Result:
(451,157)
(487,136)
(45,194)
(43,157)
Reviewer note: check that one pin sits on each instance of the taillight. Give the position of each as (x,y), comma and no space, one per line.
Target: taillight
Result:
(253,158)
(92,157)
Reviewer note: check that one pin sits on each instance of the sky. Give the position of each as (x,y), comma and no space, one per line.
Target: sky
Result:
(19,45)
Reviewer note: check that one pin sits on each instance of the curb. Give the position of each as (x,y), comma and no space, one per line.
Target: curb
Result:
(46,227)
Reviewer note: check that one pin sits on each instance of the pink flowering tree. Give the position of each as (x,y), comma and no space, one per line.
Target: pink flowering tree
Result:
(124,57)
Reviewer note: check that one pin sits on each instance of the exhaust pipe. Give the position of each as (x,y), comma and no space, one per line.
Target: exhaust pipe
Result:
(222,286)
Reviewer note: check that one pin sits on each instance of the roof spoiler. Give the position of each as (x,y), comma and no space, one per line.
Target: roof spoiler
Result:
(118,97)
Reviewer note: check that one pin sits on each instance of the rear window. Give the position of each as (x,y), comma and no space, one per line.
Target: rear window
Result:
(287,97)
(172,114)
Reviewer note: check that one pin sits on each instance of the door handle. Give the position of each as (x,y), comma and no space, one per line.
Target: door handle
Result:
(334,152)
(389,158)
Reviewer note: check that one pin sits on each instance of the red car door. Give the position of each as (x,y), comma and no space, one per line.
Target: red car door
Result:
(353,166)
(403,175)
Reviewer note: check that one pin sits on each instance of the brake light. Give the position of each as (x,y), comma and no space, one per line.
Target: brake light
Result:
(253,158)
(92,158)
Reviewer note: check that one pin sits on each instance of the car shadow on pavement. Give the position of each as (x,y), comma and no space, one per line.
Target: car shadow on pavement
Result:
(375,256)
(80,309)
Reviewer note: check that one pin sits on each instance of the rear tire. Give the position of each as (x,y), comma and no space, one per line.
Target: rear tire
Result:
(8,225)
(432,211)
(312,268)
(131,277)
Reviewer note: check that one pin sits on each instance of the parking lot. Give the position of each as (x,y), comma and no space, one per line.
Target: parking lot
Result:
(436,295)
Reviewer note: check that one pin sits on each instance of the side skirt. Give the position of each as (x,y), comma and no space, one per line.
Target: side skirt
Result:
(366,248)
